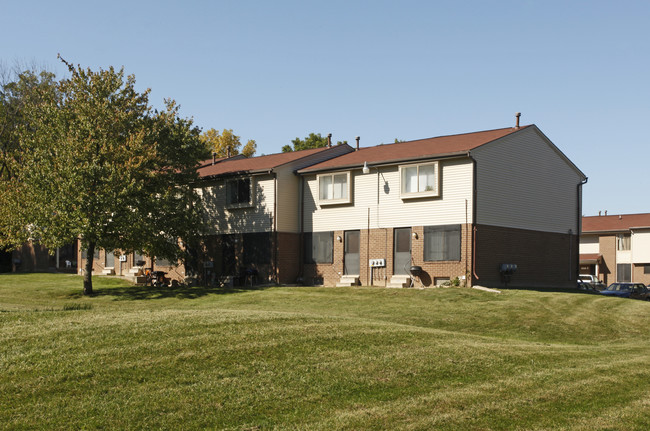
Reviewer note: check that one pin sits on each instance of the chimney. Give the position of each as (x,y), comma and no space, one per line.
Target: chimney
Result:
(329,140)
(599,213)
(228,152)
(214,157)
(358,138)
(518,114)
(605,212)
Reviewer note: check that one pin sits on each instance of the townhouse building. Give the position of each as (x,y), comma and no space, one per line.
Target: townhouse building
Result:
(616,247)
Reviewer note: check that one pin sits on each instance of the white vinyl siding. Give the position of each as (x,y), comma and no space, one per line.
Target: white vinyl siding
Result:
(641,247)
(589,244)
(377,201)
(224,220)
(524,182)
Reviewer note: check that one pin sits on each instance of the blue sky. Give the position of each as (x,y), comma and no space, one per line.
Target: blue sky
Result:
(276,70)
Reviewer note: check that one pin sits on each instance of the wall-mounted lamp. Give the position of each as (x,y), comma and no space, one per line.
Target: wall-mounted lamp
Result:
(365,169)
(339,239)
(414,235)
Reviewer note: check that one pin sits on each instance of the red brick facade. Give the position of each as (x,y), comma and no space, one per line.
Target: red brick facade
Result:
(543,259)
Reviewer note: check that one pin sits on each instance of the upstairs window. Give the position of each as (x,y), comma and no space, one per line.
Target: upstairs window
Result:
(623,242)
(419,180)
(334,188)
(238,192)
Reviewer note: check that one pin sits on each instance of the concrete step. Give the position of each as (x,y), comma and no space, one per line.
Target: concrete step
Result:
(399,281)
(348,280)
(109,271)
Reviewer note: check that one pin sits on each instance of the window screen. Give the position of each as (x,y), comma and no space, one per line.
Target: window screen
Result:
(318,247)
(442,243)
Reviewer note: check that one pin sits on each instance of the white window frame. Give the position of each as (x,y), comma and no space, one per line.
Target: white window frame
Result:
(251,200)
(420,194)
(332,201)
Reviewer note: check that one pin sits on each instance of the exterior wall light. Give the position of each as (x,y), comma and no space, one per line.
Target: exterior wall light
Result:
(365,169)
(339,239)
(414,235)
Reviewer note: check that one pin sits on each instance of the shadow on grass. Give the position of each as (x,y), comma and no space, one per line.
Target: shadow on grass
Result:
(552,290)
(132,293)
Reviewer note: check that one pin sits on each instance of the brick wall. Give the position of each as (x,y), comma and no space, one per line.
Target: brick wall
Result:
(607,270)
(288,257)
(543,259)
(378,244)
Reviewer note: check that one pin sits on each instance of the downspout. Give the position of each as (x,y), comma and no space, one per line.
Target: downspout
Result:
(474,227)
(275,225)
(301,250)
(579,222)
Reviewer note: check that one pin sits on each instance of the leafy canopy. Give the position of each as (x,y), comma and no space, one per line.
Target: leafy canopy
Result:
(227,143)
(98,164)
(314,140)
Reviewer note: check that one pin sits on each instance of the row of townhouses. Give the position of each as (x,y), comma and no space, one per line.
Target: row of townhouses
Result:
(483,208)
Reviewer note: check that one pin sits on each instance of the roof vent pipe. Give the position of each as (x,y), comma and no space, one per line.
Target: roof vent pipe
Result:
(599,213)
(358,138)
(329,140)
(518,114)
(228,152)
(605,212)
(214,157)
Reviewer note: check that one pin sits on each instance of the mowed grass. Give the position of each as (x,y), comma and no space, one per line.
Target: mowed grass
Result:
(318,358)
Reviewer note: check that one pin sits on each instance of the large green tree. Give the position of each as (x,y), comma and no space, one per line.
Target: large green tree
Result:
(314,140)
(100,165)
(226,143)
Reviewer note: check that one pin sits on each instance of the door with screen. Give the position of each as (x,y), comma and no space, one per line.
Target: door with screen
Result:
(402,250)
(351,252)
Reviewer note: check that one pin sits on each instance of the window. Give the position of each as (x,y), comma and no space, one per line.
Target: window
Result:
(334,188)
(419,180)
(319,247)
(442,243)
(162,262)
(238,192)
(623,242)
(257,248)
(623,272)
(646,269)
(109,259)
(84,254)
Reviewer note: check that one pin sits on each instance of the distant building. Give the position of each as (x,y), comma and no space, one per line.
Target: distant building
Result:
(616,247)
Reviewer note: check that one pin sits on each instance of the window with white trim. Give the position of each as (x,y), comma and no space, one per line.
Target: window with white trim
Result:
(334,188)
(421,180)
(238,193)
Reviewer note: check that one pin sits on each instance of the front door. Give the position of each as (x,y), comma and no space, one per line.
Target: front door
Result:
(402,250)
(351,252)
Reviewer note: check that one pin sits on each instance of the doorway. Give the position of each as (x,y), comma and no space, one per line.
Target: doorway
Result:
(351,254)
(402,251)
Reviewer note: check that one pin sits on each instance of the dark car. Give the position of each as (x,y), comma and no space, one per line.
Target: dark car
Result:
(628,290)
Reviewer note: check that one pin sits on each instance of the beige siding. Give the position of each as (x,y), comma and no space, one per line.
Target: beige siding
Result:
(257,218)
(376,200)
(288,193)
(589,244)
(641,247)
(524,182)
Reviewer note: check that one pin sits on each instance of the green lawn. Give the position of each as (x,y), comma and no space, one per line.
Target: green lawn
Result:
(318,358)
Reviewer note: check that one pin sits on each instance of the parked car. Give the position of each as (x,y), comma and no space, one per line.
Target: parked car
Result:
(590,282)
(628,290)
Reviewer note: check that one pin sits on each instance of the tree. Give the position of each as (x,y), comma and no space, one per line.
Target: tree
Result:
(100,165)
(314,140)
(226,143)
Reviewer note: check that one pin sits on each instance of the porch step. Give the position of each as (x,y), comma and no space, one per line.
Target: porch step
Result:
(134,270)
(108,271)
(348,280)
(399,281)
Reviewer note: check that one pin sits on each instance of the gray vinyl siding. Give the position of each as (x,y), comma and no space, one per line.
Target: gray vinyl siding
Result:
(524,182)
(379,202)
(224,220)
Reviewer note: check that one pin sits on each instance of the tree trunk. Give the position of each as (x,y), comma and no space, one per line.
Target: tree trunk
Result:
(88,272)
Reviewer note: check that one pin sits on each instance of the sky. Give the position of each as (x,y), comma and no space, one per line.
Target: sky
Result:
(382,70)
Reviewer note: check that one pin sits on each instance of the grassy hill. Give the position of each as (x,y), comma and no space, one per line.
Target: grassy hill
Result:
(318,358)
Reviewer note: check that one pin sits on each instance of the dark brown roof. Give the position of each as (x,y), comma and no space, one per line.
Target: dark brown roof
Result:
(614,223)
(591,257)
(255,164)
(413,150)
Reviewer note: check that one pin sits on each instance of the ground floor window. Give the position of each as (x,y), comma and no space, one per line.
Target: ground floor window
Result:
(109,259)
(162,262)
(84,254)
(257,248)
(442,243)
(646,269)
(623,272)
(319,247)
